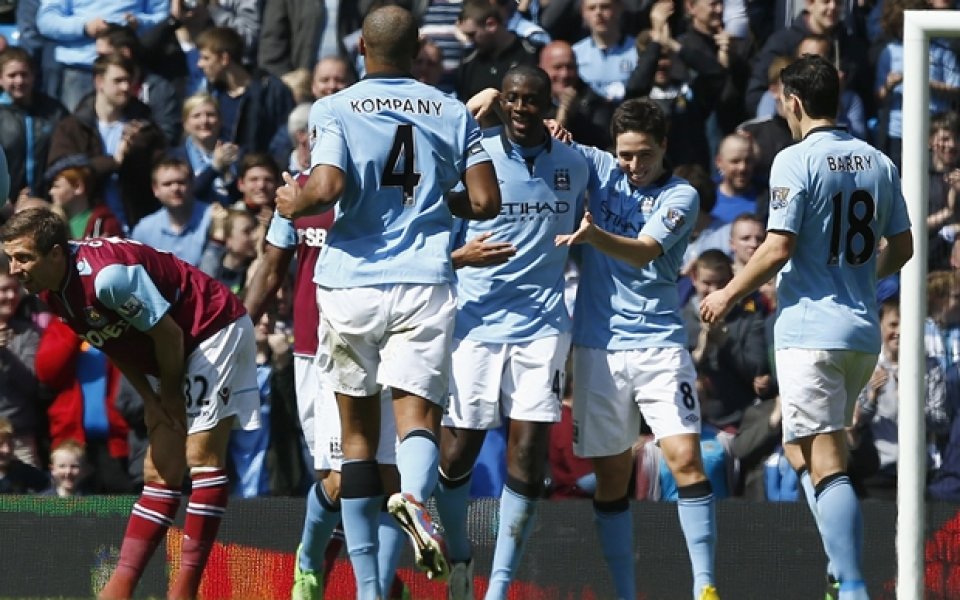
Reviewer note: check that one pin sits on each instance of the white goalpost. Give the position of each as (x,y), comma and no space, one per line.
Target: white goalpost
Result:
(918,28)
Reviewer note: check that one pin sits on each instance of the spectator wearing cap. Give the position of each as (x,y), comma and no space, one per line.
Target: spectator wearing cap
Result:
(27,121)
(71,181)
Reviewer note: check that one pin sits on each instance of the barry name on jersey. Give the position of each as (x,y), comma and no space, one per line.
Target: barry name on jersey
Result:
(855,162)
(417,106)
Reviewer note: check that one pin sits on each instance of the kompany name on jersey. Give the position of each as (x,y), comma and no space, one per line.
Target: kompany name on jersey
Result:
(416,106)
(855,162)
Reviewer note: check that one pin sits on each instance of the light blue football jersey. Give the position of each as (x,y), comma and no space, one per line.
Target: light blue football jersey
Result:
(621,307)
(838,195)
(402,145)
(542,196)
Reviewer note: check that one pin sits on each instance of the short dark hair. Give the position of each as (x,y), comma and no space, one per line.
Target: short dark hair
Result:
(45,227)
(714,259)
(531,72)
(815,81)
(258,159)
(122,36)
(479,11)
(114,59)
(18,54)
(170,162)
(639,115)
(390,36)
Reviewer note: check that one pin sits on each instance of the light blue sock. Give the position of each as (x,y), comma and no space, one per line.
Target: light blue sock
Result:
(453,498)
(321,519)
(391,539)
(417,460)
(360,519)
(842,524)
(615,528)
(806,482)
(516,521)
(698,520)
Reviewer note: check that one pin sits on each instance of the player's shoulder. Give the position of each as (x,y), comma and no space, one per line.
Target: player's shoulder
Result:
(564,153)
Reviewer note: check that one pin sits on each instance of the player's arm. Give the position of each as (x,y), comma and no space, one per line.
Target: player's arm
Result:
(766,262)
(170,354)
(319,194)
(480,198)
(267,278)
(136,378)
(637,252)
(898,251)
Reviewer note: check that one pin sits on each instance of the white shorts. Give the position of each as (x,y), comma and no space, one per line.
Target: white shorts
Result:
(521,381)
(392,335)
(819,388)
(221,379)
(612,388)
(320,419)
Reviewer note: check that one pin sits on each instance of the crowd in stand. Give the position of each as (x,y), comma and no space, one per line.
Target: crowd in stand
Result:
(170,122)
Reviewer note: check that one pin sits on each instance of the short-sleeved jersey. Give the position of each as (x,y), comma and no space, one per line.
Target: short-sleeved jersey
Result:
(307,235)
(606,70)
(620,306)
(542,196)
(401,145)
(116,290)
(838,195)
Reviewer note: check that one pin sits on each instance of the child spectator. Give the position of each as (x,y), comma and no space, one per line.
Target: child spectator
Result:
(71,183)
(228,263)
(67,470)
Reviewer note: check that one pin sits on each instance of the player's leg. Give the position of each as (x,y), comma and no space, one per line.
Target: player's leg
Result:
(608,422)
(474,407)
(390,536)
(151,516)
(672,410)
(532,392)
(221,391)
(817,407)
(415,364)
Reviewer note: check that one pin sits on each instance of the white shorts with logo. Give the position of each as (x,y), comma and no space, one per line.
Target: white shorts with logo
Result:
(221,379)
(396,335)
(320,419)
(521,381)
(819,388)
(612,388)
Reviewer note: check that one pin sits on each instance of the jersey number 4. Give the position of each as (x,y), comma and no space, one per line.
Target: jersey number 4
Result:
(399,170)
(858,233)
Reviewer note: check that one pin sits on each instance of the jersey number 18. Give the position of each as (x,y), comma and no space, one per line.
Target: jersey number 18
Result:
(858,233)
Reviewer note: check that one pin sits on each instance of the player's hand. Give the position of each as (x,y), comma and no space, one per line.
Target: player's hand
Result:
(478,252)
(288,196)
(557,130)
(715,307)
(582,235)
(483,103)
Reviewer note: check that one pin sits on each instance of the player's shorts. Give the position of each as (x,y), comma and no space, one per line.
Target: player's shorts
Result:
(819,388)
(612,388)
(522,381)
(396,335)
(221,379)
(320,419)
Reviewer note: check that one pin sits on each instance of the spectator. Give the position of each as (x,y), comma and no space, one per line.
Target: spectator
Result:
(737,192)
(257,184)
(771,134)
(943,185)
(655,482)
(68,469)
(852,114)
(27,120)
(16,476)
(708,231)
(229,265)
(291,38)
(332,74)
(298,129)
(71,180)
(150,88)
(73,26)
(428,65)
(115,131)
(300,83)
(19,338)
(524,28)
(212,160)
(570,475)
(606,57)
(253,104)
(943,72)
(942,327)
(879,405)
(182,225)
(496,49)
(242,16)
(731,356)
(746,235)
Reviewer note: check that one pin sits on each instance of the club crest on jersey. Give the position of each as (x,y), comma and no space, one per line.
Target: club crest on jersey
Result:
(83,267)
(673,219)
(561,180)
(130,308)
(646,205)
(779,198)
(93,317)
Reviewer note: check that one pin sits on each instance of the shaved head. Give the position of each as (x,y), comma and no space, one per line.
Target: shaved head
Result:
(389,37)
